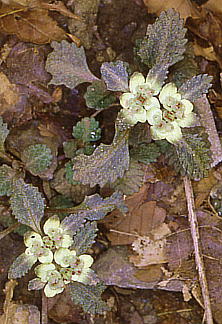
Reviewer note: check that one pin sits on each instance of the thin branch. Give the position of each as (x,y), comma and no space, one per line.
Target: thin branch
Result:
(44,309)
(197,249)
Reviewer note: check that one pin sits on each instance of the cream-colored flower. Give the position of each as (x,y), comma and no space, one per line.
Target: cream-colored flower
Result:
(81,268)
(169,97)
(141,90)
(53,279)
(133,115)
(154,116)
(65,257)
(169,131)
(59,236)
(36,249)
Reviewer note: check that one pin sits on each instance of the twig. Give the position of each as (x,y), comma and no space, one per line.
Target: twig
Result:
(44,309)
(197,249)
(9,230)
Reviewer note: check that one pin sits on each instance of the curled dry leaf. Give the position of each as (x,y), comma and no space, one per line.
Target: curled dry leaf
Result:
(9,95)
(186,8)
(32,25)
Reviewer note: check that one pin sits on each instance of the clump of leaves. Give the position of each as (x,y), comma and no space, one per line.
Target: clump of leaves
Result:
(98,97)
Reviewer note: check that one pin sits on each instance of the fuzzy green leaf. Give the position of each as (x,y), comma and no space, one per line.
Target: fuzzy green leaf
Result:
(70,148)
(195,87)
(85,237)
(97,96)
(115,75)
(164,44)
(192,157)
(146,153)
(106,164)
(3,134)
(6,176)
(132,180)
(185,69)
(93,208)
(27,204)
(87,130)
(37,158)
(68,66)
(89,297)
(21,265)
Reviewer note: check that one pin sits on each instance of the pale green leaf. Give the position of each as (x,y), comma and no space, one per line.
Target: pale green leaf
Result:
(97,96)
(192,157)
(68,66)
(3,134)
(85,237)
(21,265)
(195,87)
(27,204)
(89,297)
(164,43)
(106,164)
(132,180)
(37,158)
(6,176)
(115,75)
(146,153)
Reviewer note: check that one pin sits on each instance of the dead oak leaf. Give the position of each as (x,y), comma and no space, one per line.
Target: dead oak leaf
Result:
(32,25)
(185,7)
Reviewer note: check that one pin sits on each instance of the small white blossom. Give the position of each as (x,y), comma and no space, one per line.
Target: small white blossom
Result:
(36,248)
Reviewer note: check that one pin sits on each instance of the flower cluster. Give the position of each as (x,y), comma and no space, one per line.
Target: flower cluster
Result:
(59,265)
(164,108)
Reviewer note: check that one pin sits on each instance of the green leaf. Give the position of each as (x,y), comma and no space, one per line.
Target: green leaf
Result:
(195,87)
(132,180)
(27,204)
(98,97)
(6,176)
(165,42)
(93,208)
(21,265)
(106,164)
(70,148)
(69,173)
(3,134)
(185,69)
(85,237)
(68,66)
(89,297)
(37,158)
(115,75)
(87,130)
(192,157)
(145,153)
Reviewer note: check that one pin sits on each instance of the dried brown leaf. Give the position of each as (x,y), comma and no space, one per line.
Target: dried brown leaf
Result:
(9,95)
(185,8)
(32,25)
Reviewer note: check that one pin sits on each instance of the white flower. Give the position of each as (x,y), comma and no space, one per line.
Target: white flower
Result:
(141,90)
(81,268)
(65,257)
(169,131)
(133,115)
(59,236)
(53,279)
(36,249)
(154,116)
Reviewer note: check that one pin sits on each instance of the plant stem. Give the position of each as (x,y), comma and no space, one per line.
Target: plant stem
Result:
(197,249)
(44,309)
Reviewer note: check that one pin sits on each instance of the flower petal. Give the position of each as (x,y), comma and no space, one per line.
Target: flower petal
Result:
(62,256)
(154,116)
(65,241)
(152,102)
(125,99)
(169,96)
(187,105)
(135,80)
(46,257)
(51,223)
(87,260)
(31,238)
(83,276)
(153,84)
(175,135)
(187,121)
(49,292)
(41,270)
